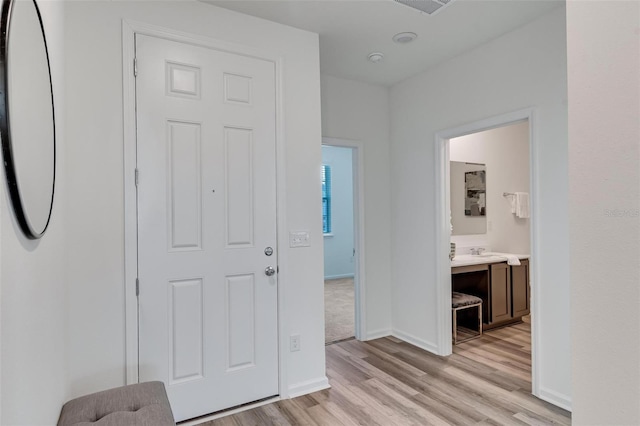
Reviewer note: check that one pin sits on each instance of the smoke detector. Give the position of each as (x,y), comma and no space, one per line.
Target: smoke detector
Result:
(430,7)
(404,38)
(376,57)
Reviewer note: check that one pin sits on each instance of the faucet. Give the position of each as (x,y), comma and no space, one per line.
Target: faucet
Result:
(477,250)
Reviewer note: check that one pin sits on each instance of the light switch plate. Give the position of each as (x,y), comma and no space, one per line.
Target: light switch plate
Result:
(299,239)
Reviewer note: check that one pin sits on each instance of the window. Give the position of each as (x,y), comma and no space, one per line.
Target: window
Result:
(326,199)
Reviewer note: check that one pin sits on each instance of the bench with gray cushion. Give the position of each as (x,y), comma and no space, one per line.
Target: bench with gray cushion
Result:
(460,301)
(143,404)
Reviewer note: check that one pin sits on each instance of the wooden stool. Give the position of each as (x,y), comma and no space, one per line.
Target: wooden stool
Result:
(460,301)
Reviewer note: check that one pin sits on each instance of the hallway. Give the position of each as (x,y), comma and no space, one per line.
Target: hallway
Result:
(390,382)
(339,310)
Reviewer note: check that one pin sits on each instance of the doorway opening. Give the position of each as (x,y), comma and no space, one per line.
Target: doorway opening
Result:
(482,222)
(341,228)
(488,184)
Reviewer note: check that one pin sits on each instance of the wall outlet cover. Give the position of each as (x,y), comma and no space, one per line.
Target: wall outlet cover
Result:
(294,342)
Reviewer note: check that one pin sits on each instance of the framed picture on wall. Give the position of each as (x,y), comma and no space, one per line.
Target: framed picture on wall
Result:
(475,203)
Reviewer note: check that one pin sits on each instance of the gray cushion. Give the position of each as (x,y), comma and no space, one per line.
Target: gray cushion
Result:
(143,404)
(460,299)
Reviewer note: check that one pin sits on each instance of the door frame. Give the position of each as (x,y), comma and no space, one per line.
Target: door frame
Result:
(357,149)
(129,30)
(443,230)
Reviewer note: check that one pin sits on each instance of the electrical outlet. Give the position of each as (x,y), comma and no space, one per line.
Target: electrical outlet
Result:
(295,342)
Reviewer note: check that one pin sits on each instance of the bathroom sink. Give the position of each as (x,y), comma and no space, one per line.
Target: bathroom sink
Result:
(471,259)
(491,257)
(488,257)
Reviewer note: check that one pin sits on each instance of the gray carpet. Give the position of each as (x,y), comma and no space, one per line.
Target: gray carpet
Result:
(339,310)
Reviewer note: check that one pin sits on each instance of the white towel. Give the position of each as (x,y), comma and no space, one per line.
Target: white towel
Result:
(512,200)
(522,204)
(511,259)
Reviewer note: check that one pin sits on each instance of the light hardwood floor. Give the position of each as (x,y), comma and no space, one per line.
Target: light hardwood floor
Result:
(486,381)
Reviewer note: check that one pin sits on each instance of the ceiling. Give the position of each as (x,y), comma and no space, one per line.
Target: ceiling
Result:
(351,29)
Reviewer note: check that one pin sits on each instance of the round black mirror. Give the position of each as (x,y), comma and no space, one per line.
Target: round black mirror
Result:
(27,120)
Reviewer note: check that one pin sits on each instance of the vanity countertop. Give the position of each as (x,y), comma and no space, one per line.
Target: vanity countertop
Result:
(491,257)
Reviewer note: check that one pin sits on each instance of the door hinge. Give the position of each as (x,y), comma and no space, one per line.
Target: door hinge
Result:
(135,67)
(137,287)
(137,178)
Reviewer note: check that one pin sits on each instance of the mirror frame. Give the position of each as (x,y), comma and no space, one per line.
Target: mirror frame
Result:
(5,124)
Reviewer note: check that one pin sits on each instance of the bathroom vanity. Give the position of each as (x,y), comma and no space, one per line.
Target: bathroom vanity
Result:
(503,288)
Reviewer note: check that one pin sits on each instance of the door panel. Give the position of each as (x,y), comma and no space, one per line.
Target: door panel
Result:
(241,319)
(186,322)
(206,211)
(500,292)
(238,146)
(184,186)
(520,286)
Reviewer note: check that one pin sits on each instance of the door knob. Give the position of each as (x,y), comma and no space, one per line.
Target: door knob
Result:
(269,271)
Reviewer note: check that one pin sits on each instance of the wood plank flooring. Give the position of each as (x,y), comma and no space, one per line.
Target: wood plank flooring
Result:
(487,381)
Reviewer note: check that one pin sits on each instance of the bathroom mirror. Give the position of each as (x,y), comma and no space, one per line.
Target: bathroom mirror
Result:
(27,122)
(468,198)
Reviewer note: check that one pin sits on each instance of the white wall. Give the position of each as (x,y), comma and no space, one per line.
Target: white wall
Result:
(604,172)
(95,235)
(34,295)
(505,151)
(339,244)
(524,68)
(360,111)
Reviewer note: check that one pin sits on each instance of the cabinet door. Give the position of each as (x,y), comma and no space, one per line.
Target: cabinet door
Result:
(520,288)
(500,292)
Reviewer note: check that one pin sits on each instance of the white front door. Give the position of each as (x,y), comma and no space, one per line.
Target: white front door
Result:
(206,216)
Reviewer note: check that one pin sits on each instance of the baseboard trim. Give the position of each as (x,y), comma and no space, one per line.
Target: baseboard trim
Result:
(339,277)
(415,341)
(555,398)
(376,334)
(309,386)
